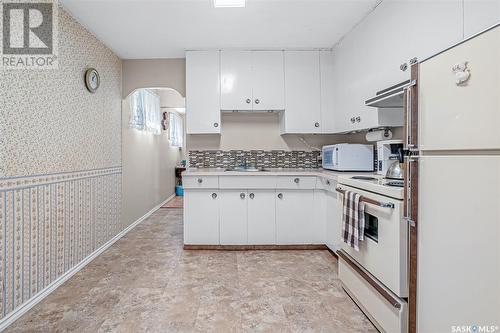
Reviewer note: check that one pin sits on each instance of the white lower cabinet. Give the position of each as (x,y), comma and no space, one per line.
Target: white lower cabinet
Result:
(281,212)
(233,217)
(333,221)
(201,217)
(295,222)
(261,217)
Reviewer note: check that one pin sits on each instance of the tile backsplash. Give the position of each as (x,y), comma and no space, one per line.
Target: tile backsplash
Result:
(258,158)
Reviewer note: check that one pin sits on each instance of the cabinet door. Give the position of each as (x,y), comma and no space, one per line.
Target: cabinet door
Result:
(302,92)
(202,92)
(268,80)
(294,217)
(326,73)
(236,80)
(201,217)
(261,217)
(333,220)
(480,15)
(233,217)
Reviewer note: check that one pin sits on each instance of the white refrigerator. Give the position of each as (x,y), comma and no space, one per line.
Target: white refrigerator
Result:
(453,188)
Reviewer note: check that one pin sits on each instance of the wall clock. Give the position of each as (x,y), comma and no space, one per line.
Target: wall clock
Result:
(92,80)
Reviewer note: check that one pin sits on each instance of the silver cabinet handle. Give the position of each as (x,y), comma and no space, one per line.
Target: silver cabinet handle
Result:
(296,180)
(242,195)
(200,180)
(252,195)
(358,119)
(413,60)
(214,195)
(216,124)
(403,67)
(353,120)
(257,101)
(316,124)
(280,195)
(248,100)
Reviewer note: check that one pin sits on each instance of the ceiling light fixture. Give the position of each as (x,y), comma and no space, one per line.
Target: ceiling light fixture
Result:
(229,3)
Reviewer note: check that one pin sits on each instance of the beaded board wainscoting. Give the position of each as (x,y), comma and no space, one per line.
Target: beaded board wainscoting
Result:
(50,223)
(257,158)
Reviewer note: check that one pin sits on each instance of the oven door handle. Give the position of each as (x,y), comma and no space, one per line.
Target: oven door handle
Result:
(370,201)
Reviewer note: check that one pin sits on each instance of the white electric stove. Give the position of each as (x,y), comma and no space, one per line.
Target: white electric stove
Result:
(376,276)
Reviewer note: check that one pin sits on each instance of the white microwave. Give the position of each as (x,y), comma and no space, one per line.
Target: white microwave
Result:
(348,157)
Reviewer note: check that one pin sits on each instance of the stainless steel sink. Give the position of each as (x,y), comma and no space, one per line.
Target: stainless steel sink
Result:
(246,169)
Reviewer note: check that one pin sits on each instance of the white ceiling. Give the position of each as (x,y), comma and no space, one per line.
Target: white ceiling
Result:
(144,29)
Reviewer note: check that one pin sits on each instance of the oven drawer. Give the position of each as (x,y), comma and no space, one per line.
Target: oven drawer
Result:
(386,311)
(383,252)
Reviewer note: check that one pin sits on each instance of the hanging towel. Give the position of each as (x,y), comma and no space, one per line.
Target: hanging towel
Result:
(353,219)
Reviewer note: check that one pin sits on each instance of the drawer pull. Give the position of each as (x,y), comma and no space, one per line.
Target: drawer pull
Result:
(327,182)
(280,195)
(242,195)
(200,180)
(252,195)
(214,195)
(296,180)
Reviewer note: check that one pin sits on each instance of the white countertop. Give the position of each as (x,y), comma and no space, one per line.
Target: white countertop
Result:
(327,174)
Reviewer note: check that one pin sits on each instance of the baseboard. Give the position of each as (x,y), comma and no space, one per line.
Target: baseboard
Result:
(17,313)
(256,247)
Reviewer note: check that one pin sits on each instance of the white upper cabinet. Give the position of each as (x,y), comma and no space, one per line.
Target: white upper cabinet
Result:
(236,80)
(326,74)
(480,15)
(202,92)
(370,57)
(302,93)
(252,80)
(268,80)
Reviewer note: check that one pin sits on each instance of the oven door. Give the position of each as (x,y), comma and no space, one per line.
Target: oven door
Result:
(383,252)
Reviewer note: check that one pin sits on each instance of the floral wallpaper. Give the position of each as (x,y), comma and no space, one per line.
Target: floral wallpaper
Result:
(60,165)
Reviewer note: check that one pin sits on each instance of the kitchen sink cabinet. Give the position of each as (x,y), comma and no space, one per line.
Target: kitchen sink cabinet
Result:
(233,217)
(261,217)
(247,217)
(202,92)
(295,218)
(252,80)
(201,217)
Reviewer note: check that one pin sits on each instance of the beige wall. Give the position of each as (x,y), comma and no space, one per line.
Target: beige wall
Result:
(154,73)
(148,164)
(60,165)
(260,131)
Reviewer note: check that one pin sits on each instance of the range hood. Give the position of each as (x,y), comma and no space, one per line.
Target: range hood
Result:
(389,98)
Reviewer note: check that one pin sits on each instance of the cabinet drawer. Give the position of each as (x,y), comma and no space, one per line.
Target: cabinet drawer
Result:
(296,182)
(326,184)
(200,182)
(247,182)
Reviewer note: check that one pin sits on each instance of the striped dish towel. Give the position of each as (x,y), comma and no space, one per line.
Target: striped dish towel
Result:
(353,219)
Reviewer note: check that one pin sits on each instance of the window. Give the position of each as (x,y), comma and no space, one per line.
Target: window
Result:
(145,115)
(176,130)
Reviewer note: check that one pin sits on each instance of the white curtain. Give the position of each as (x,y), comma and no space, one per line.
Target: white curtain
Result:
(145,115)
(176,130)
